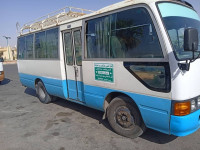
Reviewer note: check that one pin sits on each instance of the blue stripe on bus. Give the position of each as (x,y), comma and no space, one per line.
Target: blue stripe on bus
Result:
(155,111)
(53,86)
(185,125)
(72,89)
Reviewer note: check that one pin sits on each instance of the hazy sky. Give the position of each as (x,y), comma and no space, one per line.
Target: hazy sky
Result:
(23,11)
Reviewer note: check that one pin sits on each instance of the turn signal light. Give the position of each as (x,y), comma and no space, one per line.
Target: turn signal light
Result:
(182,109)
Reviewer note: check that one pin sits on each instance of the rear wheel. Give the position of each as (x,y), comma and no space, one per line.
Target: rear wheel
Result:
(125,118)
(42,94)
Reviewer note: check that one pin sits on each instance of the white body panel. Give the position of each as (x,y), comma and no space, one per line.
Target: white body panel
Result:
(71,25)
(184,84)
(43,68)
(123,80)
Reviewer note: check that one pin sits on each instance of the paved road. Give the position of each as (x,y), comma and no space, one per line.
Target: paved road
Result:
(27,124)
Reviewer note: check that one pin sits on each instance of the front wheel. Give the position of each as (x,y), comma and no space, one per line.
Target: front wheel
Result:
(125,118)
(42,94)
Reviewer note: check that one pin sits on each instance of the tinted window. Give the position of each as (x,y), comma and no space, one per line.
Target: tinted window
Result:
(40,45)
(68,48)
(155,76)
(78,47)
(126,34)
(21,48)
(46,45)
(98,37)
(29,46)
(52,43)
(133,35)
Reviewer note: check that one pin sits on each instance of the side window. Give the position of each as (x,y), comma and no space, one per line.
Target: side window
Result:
(126,34)
(29,46)
(78,47)
(154,76)
(21,48)
(97,37)
(177,40)
(68,48)
(40,45)
(133,35)
(52,43)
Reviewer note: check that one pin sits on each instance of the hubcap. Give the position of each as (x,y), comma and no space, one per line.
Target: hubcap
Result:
(41,93)
(124,117)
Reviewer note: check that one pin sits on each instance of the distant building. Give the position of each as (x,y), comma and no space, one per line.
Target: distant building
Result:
(8,53)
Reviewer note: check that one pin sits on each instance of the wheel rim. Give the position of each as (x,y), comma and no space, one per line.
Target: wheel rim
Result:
(41,93)
(124,118)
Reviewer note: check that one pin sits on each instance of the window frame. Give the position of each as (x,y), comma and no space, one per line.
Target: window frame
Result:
(155,23)
(71,31)
(166,66)
(58,58)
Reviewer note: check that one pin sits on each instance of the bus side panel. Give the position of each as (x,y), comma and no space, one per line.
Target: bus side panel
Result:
(95,96)
(27,80)
(47,71)
(53,86)
(155,111)
(155,107)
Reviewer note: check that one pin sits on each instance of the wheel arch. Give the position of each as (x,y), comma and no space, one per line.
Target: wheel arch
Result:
(37,80)
(112,95)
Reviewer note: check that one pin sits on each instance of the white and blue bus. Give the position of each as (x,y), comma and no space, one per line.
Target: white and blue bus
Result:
(137,61)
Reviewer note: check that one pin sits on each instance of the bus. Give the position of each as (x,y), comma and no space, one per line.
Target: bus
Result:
(136,60)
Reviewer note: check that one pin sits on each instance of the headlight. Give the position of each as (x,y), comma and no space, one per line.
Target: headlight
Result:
(198,102)
(193,105)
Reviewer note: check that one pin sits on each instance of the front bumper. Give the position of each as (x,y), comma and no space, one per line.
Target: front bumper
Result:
(185,125)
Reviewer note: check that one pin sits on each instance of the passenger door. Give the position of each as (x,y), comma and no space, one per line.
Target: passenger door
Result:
(73,63)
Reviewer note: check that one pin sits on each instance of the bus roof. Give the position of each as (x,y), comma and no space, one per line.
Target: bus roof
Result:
(74,14)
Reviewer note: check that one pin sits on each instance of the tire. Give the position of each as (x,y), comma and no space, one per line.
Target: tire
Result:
(42,94)
(124,117)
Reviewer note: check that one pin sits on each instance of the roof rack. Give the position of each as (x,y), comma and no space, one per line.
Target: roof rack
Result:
(52,19)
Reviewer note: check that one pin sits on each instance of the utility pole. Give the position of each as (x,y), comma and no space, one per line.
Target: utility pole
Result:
(7,38)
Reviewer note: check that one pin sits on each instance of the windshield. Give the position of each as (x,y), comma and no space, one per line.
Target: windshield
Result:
(176,19)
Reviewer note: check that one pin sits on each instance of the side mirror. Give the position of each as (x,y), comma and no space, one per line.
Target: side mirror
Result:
(191,40)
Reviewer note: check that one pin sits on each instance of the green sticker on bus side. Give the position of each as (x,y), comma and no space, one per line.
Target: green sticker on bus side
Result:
(103,72)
